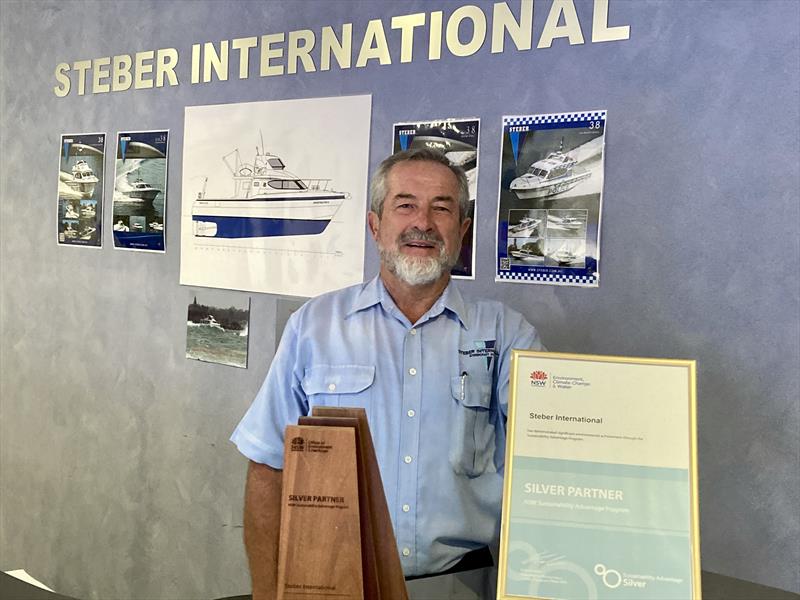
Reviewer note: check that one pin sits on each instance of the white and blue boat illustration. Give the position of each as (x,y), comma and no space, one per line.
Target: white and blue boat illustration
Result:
(268,201)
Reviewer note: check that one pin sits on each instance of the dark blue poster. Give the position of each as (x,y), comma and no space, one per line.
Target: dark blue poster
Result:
(80,189)
(457,139)
(140,190)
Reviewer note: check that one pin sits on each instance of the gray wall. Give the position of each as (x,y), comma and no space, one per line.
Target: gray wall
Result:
(117,479)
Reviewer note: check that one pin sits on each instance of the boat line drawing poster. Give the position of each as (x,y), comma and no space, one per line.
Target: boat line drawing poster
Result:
(458,140)
(551,187)
(80,189)
(140,190)
(275,195)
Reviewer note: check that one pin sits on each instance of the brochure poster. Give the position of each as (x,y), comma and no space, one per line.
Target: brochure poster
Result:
(217,327)
(551,187)
(80,189)
(275,195)
(458,140)
(600,498)
(140,190)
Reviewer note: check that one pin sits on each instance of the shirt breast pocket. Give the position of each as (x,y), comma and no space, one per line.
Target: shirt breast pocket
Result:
(472,436)
(338,385)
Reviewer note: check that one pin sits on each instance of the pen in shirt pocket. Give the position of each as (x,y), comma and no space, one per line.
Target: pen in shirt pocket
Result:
(463,385)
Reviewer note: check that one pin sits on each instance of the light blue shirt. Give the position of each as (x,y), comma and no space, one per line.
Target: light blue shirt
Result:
(436,396)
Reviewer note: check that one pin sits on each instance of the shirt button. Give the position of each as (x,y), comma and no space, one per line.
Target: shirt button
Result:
(412,371)
(407,459)
(413,332)
(406,508)
(332,386)
(406,552)
(411,413)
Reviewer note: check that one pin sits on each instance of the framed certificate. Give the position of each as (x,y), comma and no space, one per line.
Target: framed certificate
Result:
(600,498)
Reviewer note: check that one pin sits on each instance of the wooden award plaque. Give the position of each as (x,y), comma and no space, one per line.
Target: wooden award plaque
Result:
(319,552)
(336,538)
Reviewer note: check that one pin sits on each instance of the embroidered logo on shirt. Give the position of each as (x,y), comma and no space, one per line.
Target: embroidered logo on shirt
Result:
(485,348)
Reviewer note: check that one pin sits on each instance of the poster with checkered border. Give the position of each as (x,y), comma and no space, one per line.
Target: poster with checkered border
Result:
(550,198)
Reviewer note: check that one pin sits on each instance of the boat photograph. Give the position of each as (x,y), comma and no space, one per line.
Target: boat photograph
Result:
(87,232)
(137,223)
(525,223)
(69,231)
(565,253)
(564,256)
(567,223)
(70,212)
(267,201)
(210,321)
(526,251)
(141,190)
(88,210)
(550,176)
(82,180)
(524,228)
(216,334)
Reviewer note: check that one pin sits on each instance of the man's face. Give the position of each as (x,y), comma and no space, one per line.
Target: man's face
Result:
(419,233)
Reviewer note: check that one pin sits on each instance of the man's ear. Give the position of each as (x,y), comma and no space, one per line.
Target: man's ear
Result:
(374,222)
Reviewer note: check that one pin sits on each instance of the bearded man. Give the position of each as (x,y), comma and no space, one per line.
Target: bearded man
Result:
(430,368)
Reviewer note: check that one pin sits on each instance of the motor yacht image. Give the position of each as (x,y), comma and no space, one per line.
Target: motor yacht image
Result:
(141,190)
(571,223)
(87,232)
(212,322)
(70,232)
(83,179)
(549,176)
(70,212)
(524,228)
(564,256)
(526,255)
(567,223)
(268,201)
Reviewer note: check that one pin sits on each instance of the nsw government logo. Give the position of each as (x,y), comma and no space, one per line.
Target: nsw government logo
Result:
(538,379)
(297,444)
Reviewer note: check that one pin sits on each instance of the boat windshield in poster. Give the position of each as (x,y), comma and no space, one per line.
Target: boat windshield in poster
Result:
(80,189)
(457,139)
(550,205)
(275,195)
(140,190)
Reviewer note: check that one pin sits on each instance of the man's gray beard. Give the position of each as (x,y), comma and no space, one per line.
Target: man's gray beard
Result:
(417,270)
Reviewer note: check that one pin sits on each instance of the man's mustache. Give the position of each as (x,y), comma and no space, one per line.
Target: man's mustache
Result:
(417,235)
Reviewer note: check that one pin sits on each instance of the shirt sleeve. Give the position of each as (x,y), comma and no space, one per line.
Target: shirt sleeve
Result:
(279,402)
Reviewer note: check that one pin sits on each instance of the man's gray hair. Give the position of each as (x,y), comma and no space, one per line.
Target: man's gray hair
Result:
(378,186)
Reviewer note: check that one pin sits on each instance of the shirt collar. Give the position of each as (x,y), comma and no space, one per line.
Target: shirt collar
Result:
(370,294)
(374,292)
